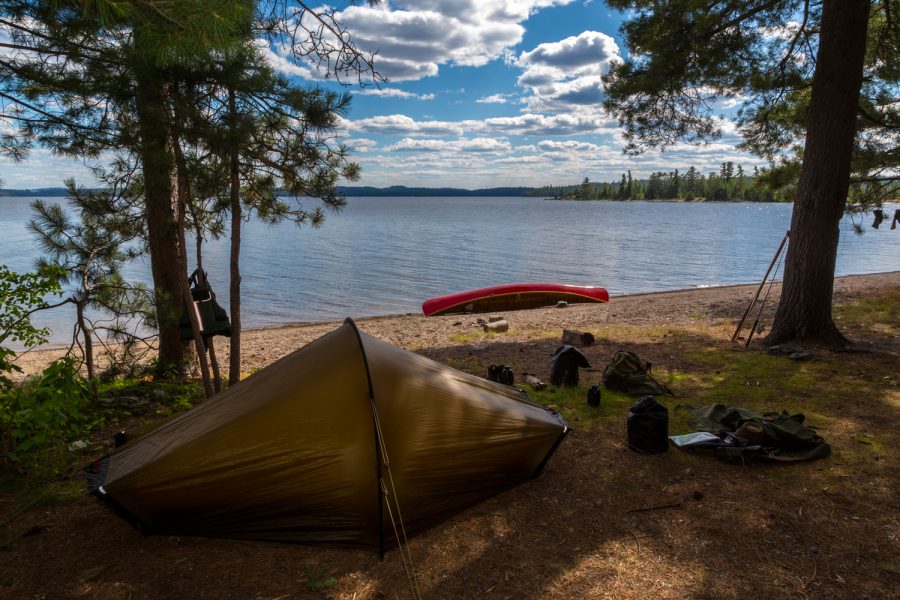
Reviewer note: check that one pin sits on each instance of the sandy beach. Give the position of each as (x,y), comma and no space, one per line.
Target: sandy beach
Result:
(452,338)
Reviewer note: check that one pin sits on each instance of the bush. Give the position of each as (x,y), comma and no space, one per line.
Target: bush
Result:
(21,295)
(39,418)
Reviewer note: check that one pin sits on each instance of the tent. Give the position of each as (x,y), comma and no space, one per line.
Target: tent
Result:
(334,444)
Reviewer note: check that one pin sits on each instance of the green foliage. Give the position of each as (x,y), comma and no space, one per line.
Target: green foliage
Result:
(87,247)
(730,183)
(43,415)
(317,578)
(687,56)
(21,295)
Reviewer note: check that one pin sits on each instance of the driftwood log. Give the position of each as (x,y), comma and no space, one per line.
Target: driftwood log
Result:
(496,326)
(535,383)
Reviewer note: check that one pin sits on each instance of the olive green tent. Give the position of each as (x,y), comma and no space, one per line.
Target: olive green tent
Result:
(333,444)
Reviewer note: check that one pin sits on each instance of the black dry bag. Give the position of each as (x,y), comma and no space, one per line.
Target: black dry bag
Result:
(564,368)
(648,426)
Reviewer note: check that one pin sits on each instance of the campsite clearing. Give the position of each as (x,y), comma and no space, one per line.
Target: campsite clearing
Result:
(827,528)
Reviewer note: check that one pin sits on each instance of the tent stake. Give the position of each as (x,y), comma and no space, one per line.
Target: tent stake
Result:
(761,285)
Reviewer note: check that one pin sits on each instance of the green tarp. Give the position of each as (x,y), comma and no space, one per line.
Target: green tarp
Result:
(787,439)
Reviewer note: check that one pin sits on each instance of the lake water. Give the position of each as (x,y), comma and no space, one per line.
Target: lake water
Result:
(386,255)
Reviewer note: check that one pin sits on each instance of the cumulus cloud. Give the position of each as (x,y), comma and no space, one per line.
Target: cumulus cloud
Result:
(393,93)
(404,125)
(413,38)
(569,146)
(488,163)
(281,64)
(566,74)
(525,124)
(361,144)
(496,99)
(540,125)
(479,145)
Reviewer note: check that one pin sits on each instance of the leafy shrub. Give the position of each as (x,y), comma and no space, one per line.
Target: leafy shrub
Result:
(21,295)
(38,418)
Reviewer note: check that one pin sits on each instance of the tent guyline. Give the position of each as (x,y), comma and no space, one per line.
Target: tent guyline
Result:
(325,445)
(384,463)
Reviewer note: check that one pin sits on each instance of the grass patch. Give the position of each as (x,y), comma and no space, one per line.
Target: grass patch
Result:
(571,404)
(871,314)
(471,337)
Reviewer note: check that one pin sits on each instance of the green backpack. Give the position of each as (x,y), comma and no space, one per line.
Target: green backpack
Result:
(629,373)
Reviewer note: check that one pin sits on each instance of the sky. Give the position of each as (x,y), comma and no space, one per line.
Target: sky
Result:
(479,93)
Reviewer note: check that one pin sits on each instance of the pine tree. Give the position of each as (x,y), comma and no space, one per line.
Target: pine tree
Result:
(804,83)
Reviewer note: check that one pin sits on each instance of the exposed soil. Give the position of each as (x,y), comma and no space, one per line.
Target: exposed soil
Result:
(826,529)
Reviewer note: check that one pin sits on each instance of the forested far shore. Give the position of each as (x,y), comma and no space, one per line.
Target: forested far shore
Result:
(729,183)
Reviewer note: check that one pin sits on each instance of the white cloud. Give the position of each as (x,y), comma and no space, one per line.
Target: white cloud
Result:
(393,93)
(566,74)
(496,99)
(526,124)
(413,38)
(780,31)
(361,144)
(281,63)
(586,53)
(403,125)
(569,146)
(541,125)
(479,145)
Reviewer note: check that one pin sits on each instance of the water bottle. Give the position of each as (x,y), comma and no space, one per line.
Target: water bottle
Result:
(593,396)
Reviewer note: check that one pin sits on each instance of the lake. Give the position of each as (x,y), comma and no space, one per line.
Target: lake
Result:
(384,256)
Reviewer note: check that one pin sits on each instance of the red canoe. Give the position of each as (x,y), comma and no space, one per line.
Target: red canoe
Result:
(514,296)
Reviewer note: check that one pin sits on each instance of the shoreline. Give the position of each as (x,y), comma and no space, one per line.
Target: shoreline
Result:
(414,331)
(619,297)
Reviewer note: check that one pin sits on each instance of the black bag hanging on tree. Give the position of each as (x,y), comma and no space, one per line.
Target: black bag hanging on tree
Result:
(648,426)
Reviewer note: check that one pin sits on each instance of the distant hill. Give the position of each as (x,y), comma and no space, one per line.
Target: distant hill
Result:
(55,192)
(396,190)
(400,190)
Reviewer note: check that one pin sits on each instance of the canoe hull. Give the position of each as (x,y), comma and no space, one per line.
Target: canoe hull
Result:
(517,296)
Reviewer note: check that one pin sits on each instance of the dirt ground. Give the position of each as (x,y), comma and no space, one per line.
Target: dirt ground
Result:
(825,529)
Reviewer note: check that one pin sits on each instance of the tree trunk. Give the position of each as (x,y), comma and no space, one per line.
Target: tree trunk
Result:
(804,311)
(162,229)
(234,295)
(88,340)
(184,199)
(214,364)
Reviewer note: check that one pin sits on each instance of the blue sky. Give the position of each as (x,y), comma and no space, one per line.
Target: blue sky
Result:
(481,93)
